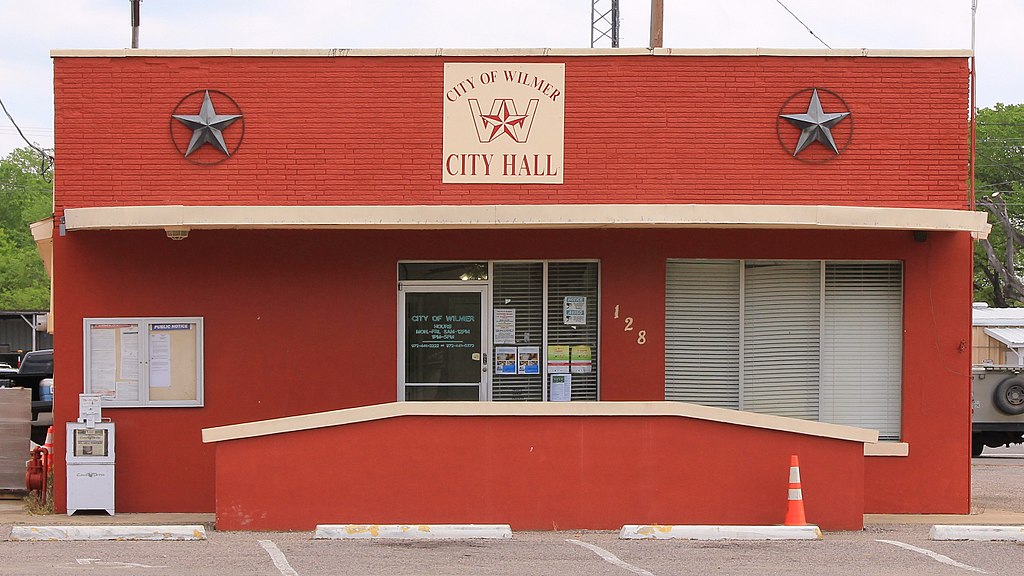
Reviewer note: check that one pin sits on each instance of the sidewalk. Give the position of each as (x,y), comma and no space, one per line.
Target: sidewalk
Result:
(12,513)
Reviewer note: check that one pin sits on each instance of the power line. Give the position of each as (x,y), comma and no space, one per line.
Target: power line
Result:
(804,25)
(46,157)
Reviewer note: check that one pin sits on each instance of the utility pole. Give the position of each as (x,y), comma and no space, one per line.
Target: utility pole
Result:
(604,22)
(135,22)
(657,22)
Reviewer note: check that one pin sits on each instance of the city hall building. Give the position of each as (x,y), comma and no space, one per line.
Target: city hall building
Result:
(555,289)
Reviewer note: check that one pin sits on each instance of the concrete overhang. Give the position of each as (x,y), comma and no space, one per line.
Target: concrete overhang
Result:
(529,409)
(502,52)
(547,216)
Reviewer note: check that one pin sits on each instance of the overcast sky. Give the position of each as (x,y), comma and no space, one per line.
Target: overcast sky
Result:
(33,27)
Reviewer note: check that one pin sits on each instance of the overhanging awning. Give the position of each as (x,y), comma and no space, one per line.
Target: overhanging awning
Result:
(1011,337)
(551,216)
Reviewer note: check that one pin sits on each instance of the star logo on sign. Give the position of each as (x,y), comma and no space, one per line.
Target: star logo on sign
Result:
(815,125)
(504,121)
(207,126)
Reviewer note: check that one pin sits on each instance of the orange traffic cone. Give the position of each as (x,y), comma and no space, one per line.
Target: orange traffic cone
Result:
(48,445)
(795,511)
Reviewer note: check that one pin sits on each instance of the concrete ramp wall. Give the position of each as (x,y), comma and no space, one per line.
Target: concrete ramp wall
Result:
(534,466)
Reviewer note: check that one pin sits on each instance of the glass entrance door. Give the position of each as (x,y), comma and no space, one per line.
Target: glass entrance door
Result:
(444,342)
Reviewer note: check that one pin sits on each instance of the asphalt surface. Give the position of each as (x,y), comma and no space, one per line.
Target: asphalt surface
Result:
(896,545)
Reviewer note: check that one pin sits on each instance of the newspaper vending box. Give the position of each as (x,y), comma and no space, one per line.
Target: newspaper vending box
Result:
(90,459)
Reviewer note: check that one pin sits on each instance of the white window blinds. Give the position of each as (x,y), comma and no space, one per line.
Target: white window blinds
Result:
(782,308)
(806,339)
(862,350)
(702,338)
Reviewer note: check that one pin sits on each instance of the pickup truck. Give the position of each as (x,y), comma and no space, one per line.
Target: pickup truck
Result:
(35,367)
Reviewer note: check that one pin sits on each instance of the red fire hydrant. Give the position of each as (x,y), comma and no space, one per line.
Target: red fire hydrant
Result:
(35,473)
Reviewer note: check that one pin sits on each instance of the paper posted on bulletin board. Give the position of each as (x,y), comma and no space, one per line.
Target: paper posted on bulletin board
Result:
(172,361)
(114,361)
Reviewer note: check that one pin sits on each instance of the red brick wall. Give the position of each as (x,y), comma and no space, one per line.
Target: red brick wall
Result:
(639,129)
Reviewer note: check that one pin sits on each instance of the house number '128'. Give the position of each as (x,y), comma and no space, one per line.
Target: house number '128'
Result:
(641,335)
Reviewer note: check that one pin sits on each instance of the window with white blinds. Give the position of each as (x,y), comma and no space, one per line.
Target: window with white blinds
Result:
(862,346)
(781,313)
(535,292)
(806,339)
(702,337)
(520,286)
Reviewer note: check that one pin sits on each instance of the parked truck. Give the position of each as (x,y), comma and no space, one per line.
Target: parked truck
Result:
(36,374)
(998,377)
(998,406)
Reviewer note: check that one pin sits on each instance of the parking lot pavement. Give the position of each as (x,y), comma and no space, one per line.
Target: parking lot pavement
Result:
(892,545)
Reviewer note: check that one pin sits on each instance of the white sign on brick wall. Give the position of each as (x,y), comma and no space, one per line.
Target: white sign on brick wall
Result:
(503,123)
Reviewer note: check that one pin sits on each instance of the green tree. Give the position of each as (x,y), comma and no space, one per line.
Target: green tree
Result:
(999,184)
(26,196)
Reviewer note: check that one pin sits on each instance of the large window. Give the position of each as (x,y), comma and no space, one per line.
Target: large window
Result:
(534,298)
(806,339)
(500,331)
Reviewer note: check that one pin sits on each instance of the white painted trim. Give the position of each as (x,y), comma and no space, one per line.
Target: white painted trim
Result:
(42,230)
(887,449)
(412,531)
(977,533)
(502,52)
(686,532)
(188,532)
(526,409)
(528,216)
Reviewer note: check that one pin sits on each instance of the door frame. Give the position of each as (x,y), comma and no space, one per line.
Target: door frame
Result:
(432,286)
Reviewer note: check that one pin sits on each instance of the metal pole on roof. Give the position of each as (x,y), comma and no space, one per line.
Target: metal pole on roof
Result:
(604,23)
(974,104)
(657,22)
(135,22)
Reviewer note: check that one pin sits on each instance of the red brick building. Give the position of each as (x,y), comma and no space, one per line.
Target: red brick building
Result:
(771,234)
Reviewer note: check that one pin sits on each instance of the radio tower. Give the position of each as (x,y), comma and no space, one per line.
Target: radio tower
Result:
(604,20)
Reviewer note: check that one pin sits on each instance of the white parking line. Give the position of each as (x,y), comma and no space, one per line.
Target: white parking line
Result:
(98,562)
(609,557)
(278,557)
(933,555)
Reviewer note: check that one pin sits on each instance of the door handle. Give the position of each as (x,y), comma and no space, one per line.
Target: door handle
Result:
(483,365)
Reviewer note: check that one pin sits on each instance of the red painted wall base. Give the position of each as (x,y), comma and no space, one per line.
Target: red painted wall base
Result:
(534,473)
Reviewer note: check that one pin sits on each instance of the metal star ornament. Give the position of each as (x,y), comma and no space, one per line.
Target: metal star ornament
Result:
(207,126)
(815,125)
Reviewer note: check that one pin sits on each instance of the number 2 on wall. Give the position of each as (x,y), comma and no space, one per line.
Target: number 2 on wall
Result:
(641,336)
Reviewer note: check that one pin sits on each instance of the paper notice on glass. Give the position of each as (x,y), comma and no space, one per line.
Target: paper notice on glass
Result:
(504,325)
(529,360)
(102,361)
(126,390)
(558,359)
(581,361)
(130,353)
(160,360)
(560,389)
(505,359)
(90,441)
(574,310)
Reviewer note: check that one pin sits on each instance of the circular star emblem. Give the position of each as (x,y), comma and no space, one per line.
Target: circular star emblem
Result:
(814,116)
(210,135)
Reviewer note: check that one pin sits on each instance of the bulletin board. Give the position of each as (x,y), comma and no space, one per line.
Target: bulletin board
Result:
(133,362)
